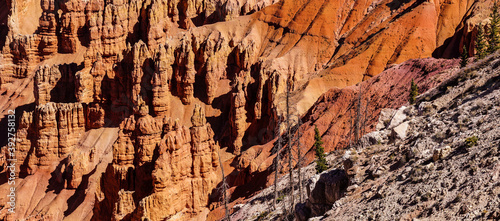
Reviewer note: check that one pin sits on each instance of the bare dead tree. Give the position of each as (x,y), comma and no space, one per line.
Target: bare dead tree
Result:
(289,139)
(365,117)
(300,158)
(224,186)
(277,162)
(359,119)
(357,122)
(351,128)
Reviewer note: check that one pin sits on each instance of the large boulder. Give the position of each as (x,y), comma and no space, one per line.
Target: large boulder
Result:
(322,191)
(400,132)
(398,117)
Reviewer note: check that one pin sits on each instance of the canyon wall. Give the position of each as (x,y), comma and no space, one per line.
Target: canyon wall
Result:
(170,82)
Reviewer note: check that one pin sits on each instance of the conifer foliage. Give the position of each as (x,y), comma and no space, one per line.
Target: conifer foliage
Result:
(465,55)
(320,152)
(413,92)
(480,43)
(487,43)
(494,38)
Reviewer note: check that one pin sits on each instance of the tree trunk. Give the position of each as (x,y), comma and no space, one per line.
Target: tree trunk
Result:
(224,189)
(290,156)
(358,118)
(276,166)
(299,160)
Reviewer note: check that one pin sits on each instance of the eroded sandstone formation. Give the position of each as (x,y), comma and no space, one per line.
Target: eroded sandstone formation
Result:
(47,29)
(72,22)
(238,114)
(137,65)
(186,171)
(46,79)
(25,133)
(161,80)
(49,134)
(276,43)
(161,168)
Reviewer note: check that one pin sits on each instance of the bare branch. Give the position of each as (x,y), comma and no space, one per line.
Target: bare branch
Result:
(224,186)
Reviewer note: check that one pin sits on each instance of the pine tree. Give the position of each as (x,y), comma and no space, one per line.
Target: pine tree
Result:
(413,92)
(480,43)
(465,55)
(494,38)
(320,152)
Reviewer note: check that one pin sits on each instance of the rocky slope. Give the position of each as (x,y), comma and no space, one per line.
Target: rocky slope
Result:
(335,111)
(439,170)
(180,79)
(422,163)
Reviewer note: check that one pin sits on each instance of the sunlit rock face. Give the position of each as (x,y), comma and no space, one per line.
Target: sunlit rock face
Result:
(124,104)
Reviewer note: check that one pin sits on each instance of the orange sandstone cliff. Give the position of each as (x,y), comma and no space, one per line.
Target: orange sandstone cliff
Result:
(123,108)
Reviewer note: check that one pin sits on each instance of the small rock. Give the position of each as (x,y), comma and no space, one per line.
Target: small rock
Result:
(384,118)
(426,108)
(301,212)
(464,209)
(238,207)
(352,188)
(375,137)
(430,167)
(398,118)
(379,171)
(399,132)
(441,153)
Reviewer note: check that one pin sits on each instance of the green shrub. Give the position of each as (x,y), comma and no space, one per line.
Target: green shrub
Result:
(280,198)
(262,216)
(471,141)
(413,92)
